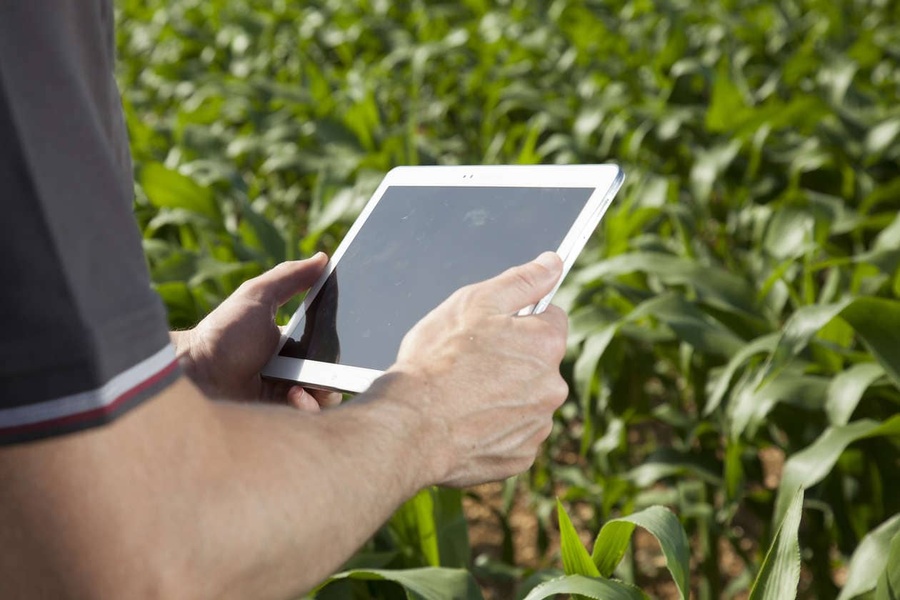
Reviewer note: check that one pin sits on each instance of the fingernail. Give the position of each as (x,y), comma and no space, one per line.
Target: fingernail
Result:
(549,260)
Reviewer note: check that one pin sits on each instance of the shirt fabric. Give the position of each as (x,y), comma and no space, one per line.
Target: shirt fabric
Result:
(83,337)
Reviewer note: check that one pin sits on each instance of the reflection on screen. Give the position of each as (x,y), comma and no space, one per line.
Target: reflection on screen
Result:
(419,245)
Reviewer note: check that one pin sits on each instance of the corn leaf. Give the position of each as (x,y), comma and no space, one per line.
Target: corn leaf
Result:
(780,572)
(576,560)
(166,188)
(614,537)
(888,587)
(428,583)
(414,523)
(260,234)
(877,321)
(597,589)
(692,325)
(797,333)
(870,559)
(452,528)
(712,285)
(846,390)
(810,466)
(750,405)
(764,343)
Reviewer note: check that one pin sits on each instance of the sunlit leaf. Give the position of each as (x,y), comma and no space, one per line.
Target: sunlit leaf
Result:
(870,559)
(779,574)
(414,521)
(877,321)
(429,583)
(809,466)
(614,537)
(846,390)
(765,343)
(596,589)
(576,560)
(888,587)
(169,189)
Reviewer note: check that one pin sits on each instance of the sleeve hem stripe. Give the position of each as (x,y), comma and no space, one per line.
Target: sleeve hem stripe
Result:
(91,403)
(83,422)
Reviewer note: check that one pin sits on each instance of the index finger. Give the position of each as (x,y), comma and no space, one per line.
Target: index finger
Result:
(281,283)
(521,286)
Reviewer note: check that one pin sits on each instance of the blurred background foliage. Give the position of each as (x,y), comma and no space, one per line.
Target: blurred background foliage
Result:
(735,321)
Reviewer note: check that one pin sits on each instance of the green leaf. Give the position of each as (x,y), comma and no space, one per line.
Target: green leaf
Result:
(692,325)
(259,233)
(709,164)
(181,305)
(810,466)
(589,358)
(870,559)
(797,333)
(888,587)
(727,108)
(846,390)
(713,285)
(779,574)
(452,528)
(578,585)
(661,523)
(429,583)
(166,188)
(877,321)
(790,233)
(752,404)
(414,523)
(882,136)
(765,343)
(583,374)
(576,560)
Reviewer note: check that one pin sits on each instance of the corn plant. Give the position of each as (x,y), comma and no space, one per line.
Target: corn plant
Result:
(735,321)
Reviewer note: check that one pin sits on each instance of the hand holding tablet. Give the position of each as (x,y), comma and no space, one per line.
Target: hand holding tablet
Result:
(427,232)
(480,383)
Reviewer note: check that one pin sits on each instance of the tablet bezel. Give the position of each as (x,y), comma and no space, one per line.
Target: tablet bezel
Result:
(605,180)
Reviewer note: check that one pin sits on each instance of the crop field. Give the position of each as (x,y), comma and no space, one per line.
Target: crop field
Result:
(733,426)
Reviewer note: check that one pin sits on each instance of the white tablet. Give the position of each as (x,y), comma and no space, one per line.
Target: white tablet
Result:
(426,232)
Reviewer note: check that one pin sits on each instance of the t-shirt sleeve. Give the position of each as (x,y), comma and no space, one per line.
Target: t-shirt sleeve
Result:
(83,337)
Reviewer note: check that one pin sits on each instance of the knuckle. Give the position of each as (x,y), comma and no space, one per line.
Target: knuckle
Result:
(249,287)
(559,392)
(556,346)
(557,319)
(524,278)
(545,431)
(527,461)
(465,295)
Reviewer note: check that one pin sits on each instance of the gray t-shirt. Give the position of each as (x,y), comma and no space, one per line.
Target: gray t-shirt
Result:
(83,337)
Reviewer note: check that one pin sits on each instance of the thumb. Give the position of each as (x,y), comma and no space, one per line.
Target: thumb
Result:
(284,281)
(524,285)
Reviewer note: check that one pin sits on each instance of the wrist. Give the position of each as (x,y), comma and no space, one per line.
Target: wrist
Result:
(404,407)
(188,357)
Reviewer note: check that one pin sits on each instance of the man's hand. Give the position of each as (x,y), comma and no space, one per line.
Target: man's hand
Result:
(485,382)
(225,352)
(182,486)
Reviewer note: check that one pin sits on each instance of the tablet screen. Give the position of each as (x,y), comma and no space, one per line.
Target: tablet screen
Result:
(418,246)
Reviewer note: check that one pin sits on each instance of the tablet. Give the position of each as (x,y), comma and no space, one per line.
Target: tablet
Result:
(426,232)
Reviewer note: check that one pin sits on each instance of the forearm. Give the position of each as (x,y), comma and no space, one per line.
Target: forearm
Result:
(222,500)
(318,485)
